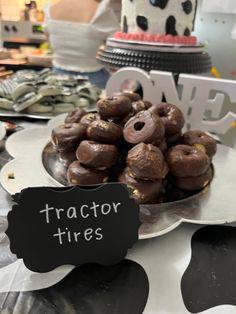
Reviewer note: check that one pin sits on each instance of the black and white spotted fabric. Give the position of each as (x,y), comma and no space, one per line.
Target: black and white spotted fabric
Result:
(174,17)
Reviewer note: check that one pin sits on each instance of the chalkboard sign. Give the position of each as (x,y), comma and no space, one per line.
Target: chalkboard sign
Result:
(50,227)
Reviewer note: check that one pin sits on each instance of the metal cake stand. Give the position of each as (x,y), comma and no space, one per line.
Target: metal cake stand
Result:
(35,163)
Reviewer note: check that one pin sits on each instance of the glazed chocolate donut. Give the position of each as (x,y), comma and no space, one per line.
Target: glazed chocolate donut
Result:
(67,136)
(104,131)
(144,127)
(194,183)
(131,95)
(146,162)
(75,115)
(80,175)
(201,141)
(144,192)
(187,161)
(161,144)
(141,105)
(115,107)
(171,116)
(88,118)
(96,155)
(173,139)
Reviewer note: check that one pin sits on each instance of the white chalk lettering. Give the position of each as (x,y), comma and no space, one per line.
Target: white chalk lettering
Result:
(58,210)
(115,205)
(103,206)
(88,234)
(82,211)
(46,210)
(59,235)
(68,235)
(98,234)
(76,234)
(71,212)
(94,208)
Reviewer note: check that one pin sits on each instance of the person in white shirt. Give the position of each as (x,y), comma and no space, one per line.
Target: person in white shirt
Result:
(76,29)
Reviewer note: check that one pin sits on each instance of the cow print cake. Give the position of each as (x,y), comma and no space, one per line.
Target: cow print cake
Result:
(156,35)
(166,17)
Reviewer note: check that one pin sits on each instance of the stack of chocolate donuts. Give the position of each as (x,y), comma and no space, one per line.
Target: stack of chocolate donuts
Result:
(134,142)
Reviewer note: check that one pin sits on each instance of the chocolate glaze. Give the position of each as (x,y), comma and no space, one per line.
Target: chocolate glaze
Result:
(201,141)
(80,175)
(96,155)
(146,162)
(144,127)
(75,115)
(141,105)
(131,95)
(145,192)
(115,107)
(104,132)
(67,136)
(186,161)
(173,139)
(87,119)
(194,183)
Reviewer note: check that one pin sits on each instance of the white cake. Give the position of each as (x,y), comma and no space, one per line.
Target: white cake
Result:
(164,17)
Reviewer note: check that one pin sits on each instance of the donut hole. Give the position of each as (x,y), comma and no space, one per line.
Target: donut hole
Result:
(138,126)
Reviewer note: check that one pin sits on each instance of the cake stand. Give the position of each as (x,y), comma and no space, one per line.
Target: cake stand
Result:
(175,58)
(36,163)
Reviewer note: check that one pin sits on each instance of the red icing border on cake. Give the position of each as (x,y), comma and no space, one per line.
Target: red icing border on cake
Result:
(167,39)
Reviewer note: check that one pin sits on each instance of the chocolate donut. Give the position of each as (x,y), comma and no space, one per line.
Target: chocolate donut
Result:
(141,105)
(187,161)
(67,136)
(201,141)
(173,139)
(80,175)
(144,127)
(88,118)
(144,192)
(171,116)
(104,131)
(75,115)
(194,183)
(131,95)
(146,162)
(115,107)
(96,155)
(161,144)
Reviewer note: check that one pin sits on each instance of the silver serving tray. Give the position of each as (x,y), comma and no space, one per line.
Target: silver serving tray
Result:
(41,116)
(34,159)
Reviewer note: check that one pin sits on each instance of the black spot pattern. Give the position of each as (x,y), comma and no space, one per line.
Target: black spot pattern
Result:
(170,26)
(187,6)
(125,25)
(159,3)
(187,32)
(212,267)
(142,22)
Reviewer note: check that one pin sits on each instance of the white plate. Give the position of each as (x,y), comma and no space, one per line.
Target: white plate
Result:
(214,205)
